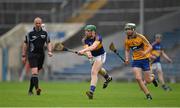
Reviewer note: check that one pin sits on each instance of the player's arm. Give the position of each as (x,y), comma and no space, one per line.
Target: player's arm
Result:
(166,56)
(90,48)
(127,52)
(88,53)
(49,46)
(24,50)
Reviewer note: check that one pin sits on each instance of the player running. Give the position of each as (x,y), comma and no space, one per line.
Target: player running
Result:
(140,48)
(156,53)
(93,48)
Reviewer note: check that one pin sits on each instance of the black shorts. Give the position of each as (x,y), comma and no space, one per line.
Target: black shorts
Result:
(36,60)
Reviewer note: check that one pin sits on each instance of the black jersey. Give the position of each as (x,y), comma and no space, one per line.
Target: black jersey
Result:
(36,41)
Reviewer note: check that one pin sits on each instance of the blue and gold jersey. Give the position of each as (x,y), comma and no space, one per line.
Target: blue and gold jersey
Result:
(89,41)
(156,51)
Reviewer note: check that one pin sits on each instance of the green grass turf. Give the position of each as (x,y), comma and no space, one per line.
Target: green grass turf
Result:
(72,94)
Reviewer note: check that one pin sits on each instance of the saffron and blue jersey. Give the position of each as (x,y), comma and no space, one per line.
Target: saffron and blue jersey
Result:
(138,44)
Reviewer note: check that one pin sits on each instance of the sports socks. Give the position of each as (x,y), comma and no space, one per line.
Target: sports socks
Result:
(34,82)
(92,88)
(31,85)
(103,72)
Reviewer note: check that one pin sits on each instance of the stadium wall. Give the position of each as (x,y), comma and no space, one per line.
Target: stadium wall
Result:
(163,24)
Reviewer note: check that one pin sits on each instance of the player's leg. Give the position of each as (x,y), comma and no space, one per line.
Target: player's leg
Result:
(154,70)
(161,78)
(34,71)
(107,77)
(137,70)
(40,65)
(148,76)
(160,73)
(35,78)
(94,77)
(31,86)
(103,71)
(138,76)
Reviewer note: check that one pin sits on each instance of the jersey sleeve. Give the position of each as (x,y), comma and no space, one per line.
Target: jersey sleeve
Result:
(99,38)
(26,38)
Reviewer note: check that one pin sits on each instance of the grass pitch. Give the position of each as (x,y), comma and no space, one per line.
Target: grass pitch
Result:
(72,94)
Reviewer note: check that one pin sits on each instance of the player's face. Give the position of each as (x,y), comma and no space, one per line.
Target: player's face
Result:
(88,33)
(38,23)
(158,39)
(129,32)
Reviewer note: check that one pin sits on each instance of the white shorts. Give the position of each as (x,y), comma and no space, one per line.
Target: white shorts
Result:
(156,67)
(101,58)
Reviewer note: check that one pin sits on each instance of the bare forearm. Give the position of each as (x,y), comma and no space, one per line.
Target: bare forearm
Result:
(166,56)
(49,46)
(90,48)
(126,55)
(24,49)
(88,53)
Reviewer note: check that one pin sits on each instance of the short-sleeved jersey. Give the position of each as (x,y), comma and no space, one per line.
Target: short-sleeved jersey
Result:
(89,41)
(36,41)
(137,44)
(156,51)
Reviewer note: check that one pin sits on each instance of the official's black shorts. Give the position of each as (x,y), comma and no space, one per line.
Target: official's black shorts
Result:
(36,60)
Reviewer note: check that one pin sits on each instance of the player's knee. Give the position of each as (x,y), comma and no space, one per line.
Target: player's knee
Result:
(34,71)
(138,79)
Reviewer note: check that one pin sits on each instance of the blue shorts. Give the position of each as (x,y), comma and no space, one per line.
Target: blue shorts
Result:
(143,64)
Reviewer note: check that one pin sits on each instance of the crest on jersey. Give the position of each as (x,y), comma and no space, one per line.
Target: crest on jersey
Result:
(43,36)
(34,37)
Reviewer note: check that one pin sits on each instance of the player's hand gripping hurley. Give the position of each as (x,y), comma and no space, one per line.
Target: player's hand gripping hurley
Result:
(113,49)
(58,46)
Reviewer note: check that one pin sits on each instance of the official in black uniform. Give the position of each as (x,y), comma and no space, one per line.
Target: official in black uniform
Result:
(34,48)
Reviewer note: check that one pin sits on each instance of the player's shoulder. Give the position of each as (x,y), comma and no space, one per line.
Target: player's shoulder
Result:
(43,31)
(30,31)
(140,35)
(98,37)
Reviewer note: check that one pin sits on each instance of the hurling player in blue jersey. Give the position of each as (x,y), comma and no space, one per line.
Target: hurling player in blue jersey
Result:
(93,48)
(156,53)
